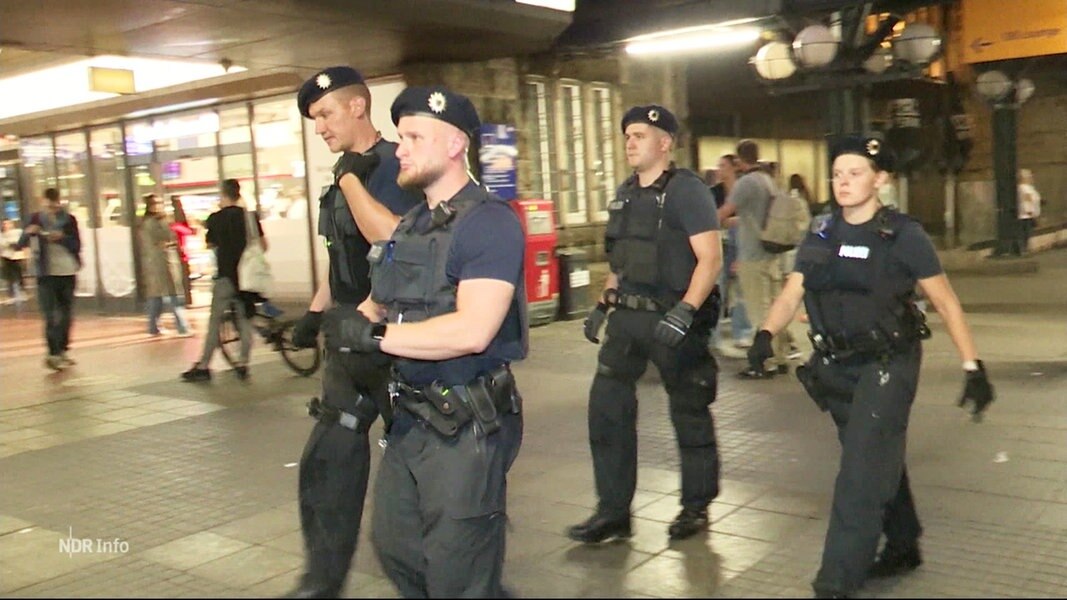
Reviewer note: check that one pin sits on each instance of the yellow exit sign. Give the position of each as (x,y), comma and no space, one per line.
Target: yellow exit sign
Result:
(999,30)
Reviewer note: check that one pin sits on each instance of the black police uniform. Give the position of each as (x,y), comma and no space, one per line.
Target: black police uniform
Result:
(859,283)
(440,500)
(649,251)
(335,464)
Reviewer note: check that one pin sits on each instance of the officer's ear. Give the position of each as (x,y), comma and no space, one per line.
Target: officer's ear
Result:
(882,178)
(458,143)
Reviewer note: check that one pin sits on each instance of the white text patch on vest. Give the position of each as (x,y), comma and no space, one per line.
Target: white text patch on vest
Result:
(860,252)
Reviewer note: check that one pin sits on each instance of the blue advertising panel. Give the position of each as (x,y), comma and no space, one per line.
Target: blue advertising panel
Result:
(498,156)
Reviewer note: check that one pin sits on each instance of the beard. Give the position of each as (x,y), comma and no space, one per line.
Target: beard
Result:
(411,179)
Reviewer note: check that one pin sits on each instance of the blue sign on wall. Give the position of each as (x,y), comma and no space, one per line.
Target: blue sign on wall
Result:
(498,157)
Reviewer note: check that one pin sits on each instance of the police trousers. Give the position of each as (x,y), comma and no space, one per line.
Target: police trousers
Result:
(690,376)
(870,403)
(334,470)
(440,508)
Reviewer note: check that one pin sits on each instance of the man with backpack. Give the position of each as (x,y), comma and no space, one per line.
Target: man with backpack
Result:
(766,226)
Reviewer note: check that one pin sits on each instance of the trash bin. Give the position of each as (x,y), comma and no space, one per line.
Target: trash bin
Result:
(573,283)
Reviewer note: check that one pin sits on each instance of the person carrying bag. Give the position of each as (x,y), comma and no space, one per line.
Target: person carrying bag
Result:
(253,271)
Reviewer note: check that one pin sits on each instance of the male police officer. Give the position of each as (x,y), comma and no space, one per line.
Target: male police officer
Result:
(665,254)
(360,206)
(449,286)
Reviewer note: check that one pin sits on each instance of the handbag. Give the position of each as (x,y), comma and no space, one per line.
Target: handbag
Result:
(253,270)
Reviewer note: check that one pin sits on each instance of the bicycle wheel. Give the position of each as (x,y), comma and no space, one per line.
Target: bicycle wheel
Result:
(230,338)
(304,361)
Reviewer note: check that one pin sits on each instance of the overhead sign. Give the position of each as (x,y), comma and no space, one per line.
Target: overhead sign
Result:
(112,81)
(991,31)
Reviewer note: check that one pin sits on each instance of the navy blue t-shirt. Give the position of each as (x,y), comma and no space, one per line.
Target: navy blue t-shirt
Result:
(488,243)
(349,270)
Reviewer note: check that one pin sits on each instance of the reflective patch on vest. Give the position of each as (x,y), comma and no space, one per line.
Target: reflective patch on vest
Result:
(616,204)
(860,252)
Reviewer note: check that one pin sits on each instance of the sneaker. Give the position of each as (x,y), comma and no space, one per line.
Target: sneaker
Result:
(54,362)
(196,373)
(895,561)
(730,351)
(794,353)
(688,523)
(185,334)
(598,529)
(242,372)
(750,373)
(745,342)
(66,360)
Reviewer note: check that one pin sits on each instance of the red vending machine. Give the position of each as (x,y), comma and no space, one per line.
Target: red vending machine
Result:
(541,266)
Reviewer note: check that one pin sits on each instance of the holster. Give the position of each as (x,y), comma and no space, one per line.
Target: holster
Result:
(484,400)
(810,380)
(328,414)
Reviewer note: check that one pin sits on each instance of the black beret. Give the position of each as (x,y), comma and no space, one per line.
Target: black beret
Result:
(440,103)
(869,147)
(654,115)
(326,81)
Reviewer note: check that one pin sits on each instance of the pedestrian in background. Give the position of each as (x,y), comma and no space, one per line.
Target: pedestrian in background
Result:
(1028,210)
(179,224)
(12,258)
(161,267)
(733,301)
(856,273)
(56,243)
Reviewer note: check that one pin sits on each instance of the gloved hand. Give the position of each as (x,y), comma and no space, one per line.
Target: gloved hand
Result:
(672,328)
(306,330)
(760,350)
(595,321)
(357,164)
(348,330)
(977,391)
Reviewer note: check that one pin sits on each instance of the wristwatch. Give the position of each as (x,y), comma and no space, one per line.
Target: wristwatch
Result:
(377,331)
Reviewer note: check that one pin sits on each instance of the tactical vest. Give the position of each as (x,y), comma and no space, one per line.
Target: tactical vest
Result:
(346,246)
(409,278)
(858,297)
(641,248)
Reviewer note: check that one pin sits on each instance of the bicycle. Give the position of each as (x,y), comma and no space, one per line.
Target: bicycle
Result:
(277,334)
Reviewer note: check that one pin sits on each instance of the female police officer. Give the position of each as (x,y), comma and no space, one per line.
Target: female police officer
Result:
(856,272)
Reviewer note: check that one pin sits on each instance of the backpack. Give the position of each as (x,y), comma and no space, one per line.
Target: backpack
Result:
(786,221)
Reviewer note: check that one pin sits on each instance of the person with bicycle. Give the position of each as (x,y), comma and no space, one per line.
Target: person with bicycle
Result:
(227,233)
(362,206)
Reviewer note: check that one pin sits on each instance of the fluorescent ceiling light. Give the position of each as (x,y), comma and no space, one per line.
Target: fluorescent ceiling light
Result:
(692,38)
(171,108)
(564,5)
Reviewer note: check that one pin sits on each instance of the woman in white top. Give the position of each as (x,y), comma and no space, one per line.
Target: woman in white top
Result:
(1029,208)
(12,258)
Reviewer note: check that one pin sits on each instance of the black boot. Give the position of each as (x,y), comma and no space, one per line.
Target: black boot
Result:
(896,560)
(312,592)
(599,528)
(689,522)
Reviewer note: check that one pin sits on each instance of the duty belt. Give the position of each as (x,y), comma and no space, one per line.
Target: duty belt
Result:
(447,409)
(331,414)
(637,302)
(872,345)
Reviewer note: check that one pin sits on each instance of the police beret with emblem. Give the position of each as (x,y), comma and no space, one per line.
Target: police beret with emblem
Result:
(439,103)
(870,147)
(654,115)
(324,82)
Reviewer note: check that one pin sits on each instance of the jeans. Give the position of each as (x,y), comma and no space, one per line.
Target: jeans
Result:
(55,295)
(224,296)
(155,308)
(740,326)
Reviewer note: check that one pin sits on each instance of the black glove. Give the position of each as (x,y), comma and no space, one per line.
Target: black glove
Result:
(357,164)
(760,350)
(306,330)
(348,330)
(595,321)
(672,328)
(977,391)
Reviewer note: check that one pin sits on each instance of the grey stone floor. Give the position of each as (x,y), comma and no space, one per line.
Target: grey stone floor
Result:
(190,490)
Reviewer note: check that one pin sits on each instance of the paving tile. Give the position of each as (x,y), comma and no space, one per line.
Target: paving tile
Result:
(190,551)
(248,567)
(758,524)
(123,414)
(151,419)
(262,527)
(18,435)
(293,543)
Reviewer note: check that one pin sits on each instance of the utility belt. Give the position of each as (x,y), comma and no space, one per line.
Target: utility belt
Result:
(331,414)
(485,400)
(639,302)
(873,345)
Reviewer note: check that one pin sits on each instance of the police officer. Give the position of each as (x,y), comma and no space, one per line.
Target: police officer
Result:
(448,302)
(361,205)
(665,254)
(856,273)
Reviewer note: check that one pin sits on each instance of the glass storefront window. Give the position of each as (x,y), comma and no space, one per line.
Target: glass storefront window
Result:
(38,168)
(72,166)
(235,138)
(280,160)
(113,231)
